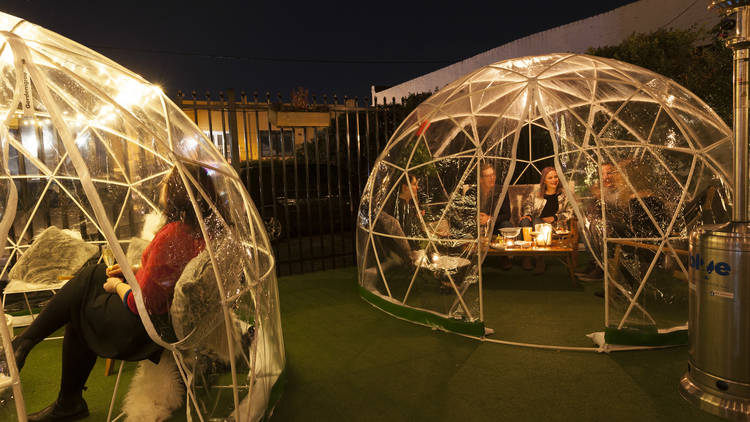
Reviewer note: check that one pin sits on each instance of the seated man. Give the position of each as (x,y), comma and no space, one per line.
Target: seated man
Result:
(400,219)
(610,194)
(486,201)
(404,208)
(639,223)
(488,194)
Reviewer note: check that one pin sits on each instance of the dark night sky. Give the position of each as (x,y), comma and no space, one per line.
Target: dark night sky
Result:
(327,47)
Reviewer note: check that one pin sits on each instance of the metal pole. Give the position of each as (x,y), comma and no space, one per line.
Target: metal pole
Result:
(234,132)
(740,68)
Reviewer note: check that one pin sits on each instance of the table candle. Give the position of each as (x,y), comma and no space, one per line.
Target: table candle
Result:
(539,240)
(544,238)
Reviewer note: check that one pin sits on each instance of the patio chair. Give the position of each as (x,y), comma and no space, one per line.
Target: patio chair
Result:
(393,250)
(54,256)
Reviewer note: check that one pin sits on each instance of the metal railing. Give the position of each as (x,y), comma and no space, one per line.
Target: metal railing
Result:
(305,167)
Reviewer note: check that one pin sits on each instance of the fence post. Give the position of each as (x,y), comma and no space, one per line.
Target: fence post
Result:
(333,173)
(234,130)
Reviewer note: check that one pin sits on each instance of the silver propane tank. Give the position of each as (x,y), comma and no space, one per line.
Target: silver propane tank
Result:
(718,377)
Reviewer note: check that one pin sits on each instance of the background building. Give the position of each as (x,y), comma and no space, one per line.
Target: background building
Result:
(608,28)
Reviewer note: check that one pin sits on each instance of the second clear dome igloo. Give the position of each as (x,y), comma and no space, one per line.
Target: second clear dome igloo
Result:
(584,116)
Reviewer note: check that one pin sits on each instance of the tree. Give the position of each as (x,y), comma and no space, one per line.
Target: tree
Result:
(695,58)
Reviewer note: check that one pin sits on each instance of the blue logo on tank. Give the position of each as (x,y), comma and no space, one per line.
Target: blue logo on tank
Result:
(721,268)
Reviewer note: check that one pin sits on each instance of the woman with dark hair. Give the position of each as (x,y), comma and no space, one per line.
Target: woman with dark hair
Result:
(545,204)
(98,309)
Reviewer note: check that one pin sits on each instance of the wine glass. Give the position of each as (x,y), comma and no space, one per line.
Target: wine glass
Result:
(107,256)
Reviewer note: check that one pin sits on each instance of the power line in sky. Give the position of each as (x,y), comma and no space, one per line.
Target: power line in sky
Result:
(272,59)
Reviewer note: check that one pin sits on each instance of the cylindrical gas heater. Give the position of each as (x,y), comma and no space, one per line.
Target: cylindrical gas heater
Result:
(718,376)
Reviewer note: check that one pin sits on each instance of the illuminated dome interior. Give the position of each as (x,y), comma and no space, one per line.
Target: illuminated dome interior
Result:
(662,148)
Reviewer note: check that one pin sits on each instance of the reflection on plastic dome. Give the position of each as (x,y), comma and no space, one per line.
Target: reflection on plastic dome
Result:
(641,160)
(89,146)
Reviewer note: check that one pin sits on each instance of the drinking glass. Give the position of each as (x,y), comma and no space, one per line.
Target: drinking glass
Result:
(107,256)
(527,234)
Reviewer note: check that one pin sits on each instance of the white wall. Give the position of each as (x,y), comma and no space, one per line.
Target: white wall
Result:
(608,28)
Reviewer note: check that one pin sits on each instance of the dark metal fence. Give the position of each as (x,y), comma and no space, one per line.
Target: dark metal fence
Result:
(305,166)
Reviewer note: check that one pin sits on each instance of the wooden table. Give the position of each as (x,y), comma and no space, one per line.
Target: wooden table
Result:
(558,248)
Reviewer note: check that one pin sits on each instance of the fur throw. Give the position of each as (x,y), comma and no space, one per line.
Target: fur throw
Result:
(53,253)
(135,250)
(196,306)
(196,297)
(151,224)
(155,391)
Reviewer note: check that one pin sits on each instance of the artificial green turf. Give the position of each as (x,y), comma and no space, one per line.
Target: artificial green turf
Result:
(541,309)
(348,361)
(40,379)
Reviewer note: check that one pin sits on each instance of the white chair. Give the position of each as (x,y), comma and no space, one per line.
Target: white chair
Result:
(22,287)
(51,260)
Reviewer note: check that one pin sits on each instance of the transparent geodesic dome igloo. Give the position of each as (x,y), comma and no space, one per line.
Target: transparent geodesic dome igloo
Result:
(88,145)
(641,161)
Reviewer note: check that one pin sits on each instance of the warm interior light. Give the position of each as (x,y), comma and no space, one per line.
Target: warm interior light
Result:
(82,139)
(131,92)
(544,234)
(29,138)
(7,55)
(191,143)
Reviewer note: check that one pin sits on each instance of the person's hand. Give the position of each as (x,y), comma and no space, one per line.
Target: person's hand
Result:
(548,219)
(483,218)
(110,286)
(114,271)
(443,229)
(440,228)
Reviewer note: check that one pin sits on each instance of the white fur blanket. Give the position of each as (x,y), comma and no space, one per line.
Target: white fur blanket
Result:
(155,391)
